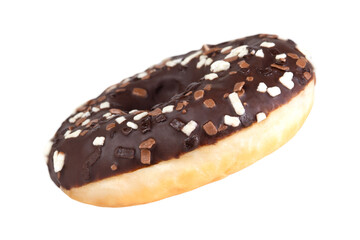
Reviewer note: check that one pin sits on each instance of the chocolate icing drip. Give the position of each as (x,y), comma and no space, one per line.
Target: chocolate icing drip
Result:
(174,83)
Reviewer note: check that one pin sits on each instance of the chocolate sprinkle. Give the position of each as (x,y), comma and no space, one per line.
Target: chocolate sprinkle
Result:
(145,156)
(139,92)
(301,62)
(199,94)
(209,103)
(238,86)
(177,124)
(110,126)
(210,128)
(243,64)
(147,144)
(161,118)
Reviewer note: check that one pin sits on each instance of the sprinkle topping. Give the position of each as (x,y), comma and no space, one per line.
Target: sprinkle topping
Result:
(243,64)
(219,66)
(132,125)
(267,44)
(99,141)
(189,127)
(280,56)
(145,156)
(58,161)
(231,121)
(226,49)
(240,51)
(211,76)
(95,109)
(147,144)
(262,87)
(210,128)
(73,134)
(104,105)
(286,80)
(140,92)
(209,103)
(173,62)
(259,53)
(273,91)
(236,103)
(190,57)
(121,119)
(168,109)
(140,116)
(198,94)
(142,75)
(260,116)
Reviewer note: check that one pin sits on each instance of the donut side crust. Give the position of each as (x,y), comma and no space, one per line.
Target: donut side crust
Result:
(203,165)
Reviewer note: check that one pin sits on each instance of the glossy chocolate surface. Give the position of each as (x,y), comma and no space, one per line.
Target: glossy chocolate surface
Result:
(183,86)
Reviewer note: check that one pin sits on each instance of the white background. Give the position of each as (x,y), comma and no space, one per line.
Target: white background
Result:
(55,55)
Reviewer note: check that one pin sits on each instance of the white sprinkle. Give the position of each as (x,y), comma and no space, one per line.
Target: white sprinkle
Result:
(267,44)
(86,114)
(274,91)
(243,51)
(85,122)
(226,49)
(125,80)
(231,121)
(104,105)
(208,61)
(259,53)
(168,109)
(67,133)
(172,63)
(189,127)
(279,56)
(140,116)
(202,61)
(141,75)
(73,134)
(121,119)
(99,141)
(240,51)
(252,52)
(107,115)
(211,76)
(219,66)
(260,116)
(286,80)
(95,109)
(58,161)
(133,111)
(132,125)
(236,103)
(191,57)
(262,87)
(76,117)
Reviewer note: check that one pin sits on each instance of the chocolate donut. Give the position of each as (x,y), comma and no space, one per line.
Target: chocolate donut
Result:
(188,121)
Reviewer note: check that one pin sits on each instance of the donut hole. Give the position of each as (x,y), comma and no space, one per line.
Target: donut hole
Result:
(165,91)
(158,93)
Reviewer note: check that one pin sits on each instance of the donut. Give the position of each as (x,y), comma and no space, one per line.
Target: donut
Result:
(187,121)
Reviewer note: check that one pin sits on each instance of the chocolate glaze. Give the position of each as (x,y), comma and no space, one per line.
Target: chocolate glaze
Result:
(173,85)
